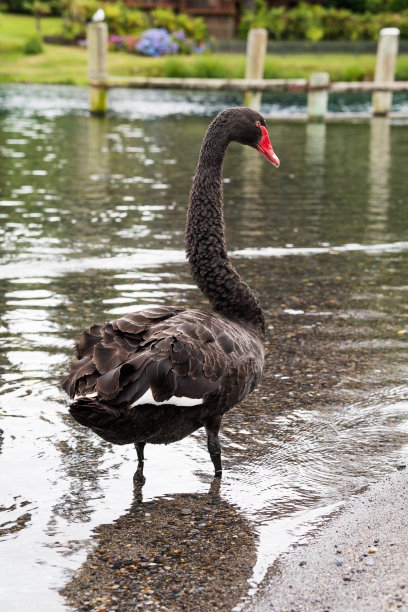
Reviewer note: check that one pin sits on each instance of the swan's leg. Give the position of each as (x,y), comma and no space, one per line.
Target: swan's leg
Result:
(212,427)
(139,446)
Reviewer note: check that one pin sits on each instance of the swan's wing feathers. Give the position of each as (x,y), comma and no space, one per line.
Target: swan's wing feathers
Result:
(167,366)
(233,359)
(107,385)
(80,372)
(103,348)
(108,357)
(138,322)
(226,342)
(203,334)
(180,353)
(170,351)
(84,347)
(111,385)
(157,374)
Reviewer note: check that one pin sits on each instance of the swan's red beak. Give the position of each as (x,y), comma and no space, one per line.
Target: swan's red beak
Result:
(265,148)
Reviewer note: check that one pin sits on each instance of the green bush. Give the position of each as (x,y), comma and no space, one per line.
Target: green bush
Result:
(355,73)
(164,18)
(369,6)
(401,73)
(136,21)
(315,22)
(74,31)
(203,66)
(123,20)
(119,18)
(81,11)
(276,22)
(26,6)
(33,45)
(305,21)
(195,28)
(175,67)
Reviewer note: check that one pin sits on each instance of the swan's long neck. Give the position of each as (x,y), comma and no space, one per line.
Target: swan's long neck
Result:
(209,262)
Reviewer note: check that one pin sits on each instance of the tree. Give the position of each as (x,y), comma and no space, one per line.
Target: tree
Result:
(39,10)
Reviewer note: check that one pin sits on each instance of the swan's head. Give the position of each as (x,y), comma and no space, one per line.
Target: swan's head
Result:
(248,127)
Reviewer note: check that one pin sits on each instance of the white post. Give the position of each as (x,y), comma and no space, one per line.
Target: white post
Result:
(318,96)
(97,35)
(387,52)
(255,61)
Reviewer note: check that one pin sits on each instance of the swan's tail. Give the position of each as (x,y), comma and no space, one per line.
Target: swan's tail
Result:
(89,412)
(107,422)
(120,425)
(146,423)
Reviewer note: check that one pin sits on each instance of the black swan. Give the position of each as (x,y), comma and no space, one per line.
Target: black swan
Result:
(161,373)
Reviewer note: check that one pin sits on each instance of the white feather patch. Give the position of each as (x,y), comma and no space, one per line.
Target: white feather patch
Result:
(86,396)
(148,398)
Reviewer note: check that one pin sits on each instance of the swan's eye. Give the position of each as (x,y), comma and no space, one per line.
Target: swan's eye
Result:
(258,123)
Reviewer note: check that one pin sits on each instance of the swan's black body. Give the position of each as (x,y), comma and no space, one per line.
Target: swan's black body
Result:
(214,357)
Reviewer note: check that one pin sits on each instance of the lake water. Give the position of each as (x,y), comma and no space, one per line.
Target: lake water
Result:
(92,216)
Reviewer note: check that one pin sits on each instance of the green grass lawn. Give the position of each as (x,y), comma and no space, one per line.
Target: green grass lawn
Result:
(68,65)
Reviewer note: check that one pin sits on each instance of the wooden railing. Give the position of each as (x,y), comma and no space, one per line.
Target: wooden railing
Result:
(317,87)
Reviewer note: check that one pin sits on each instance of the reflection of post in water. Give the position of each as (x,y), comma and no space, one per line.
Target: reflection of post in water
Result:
(97,146)
(253,193)
(315,157)
(175,552)
(252,165)
(379,174)
(315,143)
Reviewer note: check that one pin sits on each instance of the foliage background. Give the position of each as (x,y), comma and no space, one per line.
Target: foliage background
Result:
(317,22)
(331,20)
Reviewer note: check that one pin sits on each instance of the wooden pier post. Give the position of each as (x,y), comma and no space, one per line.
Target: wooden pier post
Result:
(387,52)
(318,96)
(255,60)
(97,35)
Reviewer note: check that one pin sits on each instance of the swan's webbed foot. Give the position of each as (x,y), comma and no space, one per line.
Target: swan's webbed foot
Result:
(215,487)
(212,427)
(138,475)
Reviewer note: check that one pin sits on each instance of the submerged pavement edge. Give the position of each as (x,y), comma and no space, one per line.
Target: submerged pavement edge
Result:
(358,560)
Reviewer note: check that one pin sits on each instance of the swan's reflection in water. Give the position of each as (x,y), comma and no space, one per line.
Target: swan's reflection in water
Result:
(184,552)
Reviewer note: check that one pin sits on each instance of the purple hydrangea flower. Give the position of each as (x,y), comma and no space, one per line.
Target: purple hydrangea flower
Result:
(156,42)
(179,34)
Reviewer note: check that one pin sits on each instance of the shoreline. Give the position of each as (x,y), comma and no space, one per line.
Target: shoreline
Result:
(357,560)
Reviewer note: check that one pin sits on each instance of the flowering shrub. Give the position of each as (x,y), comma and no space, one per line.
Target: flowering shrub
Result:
(116,42)
(169,33)
(122,43)
(156,42)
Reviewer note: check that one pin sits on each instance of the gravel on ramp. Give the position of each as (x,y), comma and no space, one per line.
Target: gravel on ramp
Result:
(356,561)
